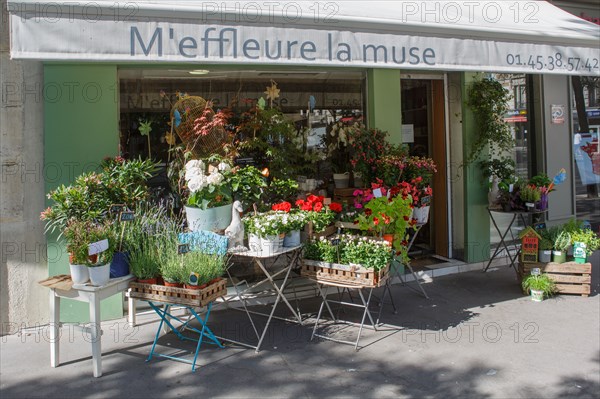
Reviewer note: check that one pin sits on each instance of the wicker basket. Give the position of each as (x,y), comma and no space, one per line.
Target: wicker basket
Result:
(178,296)
(343,274)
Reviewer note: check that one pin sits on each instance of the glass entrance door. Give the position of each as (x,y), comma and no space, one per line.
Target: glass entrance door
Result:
(423,119)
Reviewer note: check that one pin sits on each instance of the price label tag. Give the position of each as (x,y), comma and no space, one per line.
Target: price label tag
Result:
(183,249)
(536,271)
(97,247)
(194,278)
(127,216)
(335,241)
(539,226)
(116,208)
(377,193)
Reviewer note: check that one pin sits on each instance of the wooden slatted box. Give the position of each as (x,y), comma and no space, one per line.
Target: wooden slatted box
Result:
(570,277)
(343,274)
(178,296)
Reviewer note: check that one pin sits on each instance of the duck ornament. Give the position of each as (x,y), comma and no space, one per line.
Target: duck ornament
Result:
(235,231)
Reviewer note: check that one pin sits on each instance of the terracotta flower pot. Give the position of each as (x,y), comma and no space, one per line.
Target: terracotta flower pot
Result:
(192,287)
(147,280)
(170,284)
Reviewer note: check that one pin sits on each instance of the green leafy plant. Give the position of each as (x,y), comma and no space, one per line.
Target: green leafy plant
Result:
(563,241)
(149,238)
(530,193)
(546,244)
(207,266)
(247,184)
(489,100)
(589,238)
(91,194)
(369,252)
(172,267)
(79,234)
(539,283)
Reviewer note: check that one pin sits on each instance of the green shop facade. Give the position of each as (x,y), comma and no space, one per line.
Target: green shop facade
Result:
(400,66)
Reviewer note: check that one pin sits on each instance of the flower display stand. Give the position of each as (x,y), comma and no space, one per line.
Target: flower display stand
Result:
(569,277)
(189,299)
(346,278)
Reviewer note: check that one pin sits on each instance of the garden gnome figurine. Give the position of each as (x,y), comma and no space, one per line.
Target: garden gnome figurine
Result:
(235,231)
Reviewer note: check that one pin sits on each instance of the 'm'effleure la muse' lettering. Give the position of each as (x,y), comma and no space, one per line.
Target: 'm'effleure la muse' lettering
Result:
(226,42)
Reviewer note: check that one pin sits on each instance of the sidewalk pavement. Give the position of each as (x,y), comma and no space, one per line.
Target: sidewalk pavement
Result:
(477,336)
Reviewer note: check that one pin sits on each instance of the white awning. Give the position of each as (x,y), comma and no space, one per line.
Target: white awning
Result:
(487,36)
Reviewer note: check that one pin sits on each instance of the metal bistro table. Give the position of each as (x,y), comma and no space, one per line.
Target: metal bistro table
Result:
(523,216)
(92,295)
(244,293)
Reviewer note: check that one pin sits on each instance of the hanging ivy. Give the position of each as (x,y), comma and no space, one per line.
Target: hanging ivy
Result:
(489,102)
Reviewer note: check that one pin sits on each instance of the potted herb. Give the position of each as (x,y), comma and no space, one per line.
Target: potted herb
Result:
(530,195)
(585,242)
(172,269)
(545,250)
(561,244)
(205,267)
(539,286)
(247,184)
(91,247)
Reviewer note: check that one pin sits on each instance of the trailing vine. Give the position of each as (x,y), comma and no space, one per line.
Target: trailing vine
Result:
(489,102)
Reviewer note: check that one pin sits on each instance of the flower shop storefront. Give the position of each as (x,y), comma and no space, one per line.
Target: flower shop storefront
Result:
(294,92)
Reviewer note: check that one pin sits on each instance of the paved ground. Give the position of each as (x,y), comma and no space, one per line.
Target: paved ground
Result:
(477,336)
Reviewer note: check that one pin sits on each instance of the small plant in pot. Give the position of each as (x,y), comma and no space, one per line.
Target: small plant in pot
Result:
(539,286)
(91,247)
(530,195)
(204,266)
(545,251)
(561,245)
(585,242)
(173,270)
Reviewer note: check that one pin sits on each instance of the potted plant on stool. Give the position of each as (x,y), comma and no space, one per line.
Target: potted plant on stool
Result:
(90,246)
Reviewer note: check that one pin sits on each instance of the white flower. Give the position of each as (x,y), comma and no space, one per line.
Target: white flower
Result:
(215,178)
(194,164)
(192,173)
(223,167)
(197,183)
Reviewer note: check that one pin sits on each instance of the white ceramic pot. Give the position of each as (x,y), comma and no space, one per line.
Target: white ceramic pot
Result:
(211,219)
(270,244)
(254,243)
(341,180)
(99,275)
(79,274)
(292,239)
(537,296)
(421,214)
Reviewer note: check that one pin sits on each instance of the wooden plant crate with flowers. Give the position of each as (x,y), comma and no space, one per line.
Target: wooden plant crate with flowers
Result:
(344,274)
(570,277)
(347,259)
(179,296)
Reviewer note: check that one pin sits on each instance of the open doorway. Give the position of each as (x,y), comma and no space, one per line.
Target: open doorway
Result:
(423,117)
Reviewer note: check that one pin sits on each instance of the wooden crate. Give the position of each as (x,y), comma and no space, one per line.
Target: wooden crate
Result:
(343,274)
(178,296)
(342,195)
(570,277)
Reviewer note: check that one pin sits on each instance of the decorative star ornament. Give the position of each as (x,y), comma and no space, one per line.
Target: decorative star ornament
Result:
(272,92)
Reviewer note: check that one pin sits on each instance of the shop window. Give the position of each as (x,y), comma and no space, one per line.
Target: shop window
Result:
(311,99)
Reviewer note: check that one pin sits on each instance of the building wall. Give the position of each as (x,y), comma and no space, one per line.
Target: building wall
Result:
(81,128)
(23,303)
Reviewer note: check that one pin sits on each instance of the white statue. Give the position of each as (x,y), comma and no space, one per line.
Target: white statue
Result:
(235,230)
(494,194)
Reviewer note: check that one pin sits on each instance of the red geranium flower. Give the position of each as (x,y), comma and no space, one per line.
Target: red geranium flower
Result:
(335,207)
(318,207)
